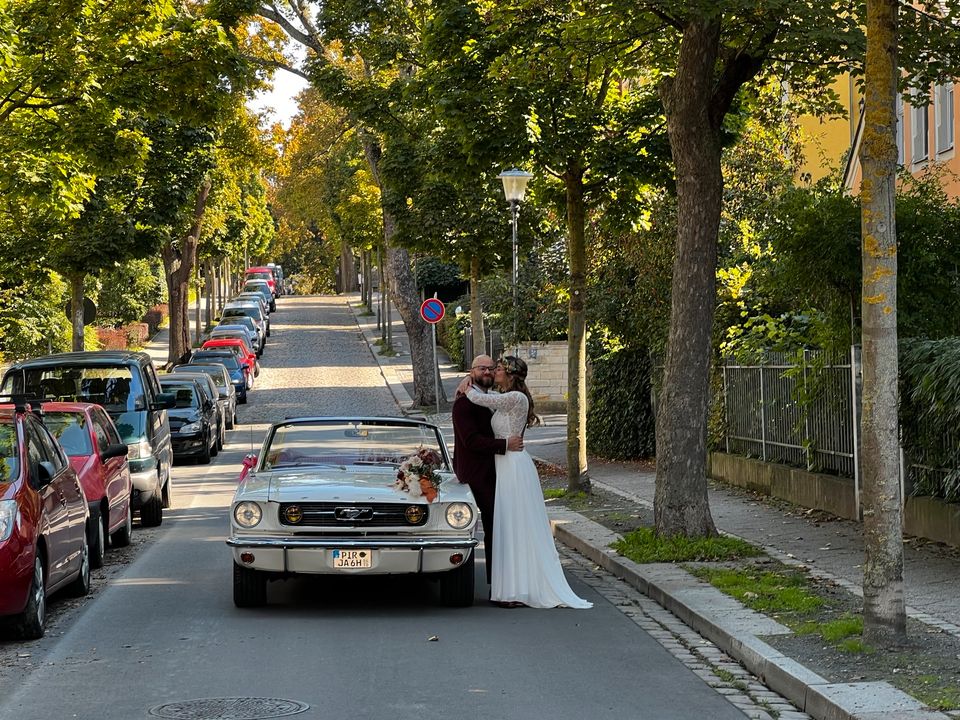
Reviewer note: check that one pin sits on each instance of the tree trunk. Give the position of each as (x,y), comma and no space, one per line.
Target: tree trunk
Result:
(577,478)
(348,269)
(76,309)
(884,610)
(403,292)
(680,500)
(476,311)
(178,261)
(210,287)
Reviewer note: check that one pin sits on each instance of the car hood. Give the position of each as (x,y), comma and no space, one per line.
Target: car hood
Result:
(331,484)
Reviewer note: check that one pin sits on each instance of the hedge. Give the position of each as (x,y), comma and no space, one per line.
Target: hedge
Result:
(620,421)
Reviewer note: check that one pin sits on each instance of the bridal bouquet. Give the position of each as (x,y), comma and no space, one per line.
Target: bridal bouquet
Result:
(417,476)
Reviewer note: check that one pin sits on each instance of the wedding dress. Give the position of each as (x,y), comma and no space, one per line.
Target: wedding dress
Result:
(526,567)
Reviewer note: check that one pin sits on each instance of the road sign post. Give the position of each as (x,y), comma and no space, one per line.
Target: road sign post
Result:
(432,311)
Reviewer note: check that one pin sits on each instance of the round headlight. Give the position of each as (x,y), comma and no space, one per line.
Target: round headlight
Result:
(247,514)
(459,515)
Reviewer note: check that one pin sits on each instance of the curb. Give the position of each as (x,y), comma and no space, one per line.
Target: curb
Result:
(735,629)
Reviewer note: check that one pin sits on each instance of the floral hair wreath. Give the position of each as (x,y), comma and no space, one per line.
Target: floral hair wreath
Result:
(512,365)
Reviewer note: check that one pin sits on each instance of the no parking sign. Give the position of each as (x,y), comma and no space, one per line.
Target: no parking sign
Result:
(432,310)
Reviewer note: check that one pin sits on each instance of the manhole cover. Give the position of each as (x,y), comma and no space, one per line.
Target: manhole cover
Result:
(230,708)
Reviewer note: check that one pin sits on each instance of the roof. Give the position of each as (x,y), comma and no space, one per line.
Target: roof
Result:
(90,357)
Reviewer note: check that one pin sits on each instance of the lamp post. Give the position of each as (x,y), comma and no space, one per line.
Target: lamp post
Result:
(514,187)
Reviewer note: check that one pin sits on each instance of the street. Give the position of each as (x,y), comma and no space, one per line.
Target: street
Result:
(164,629)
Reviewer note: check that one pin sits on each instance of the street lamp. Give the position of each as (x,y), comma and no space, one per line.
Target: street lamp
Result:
(514,187)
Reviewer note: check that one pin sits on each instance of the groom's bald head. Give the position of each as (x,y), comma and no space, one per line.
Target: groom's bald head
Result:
(481,371)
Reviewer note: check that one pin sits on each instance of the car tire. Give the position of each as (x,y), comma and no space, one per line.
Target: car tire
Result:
(457,585)
(32,622)
(166,492)
(204,457)
(121,538)
(249,587)
(96,537)
(232,420)
(151,514)
(81,586)
(243,398)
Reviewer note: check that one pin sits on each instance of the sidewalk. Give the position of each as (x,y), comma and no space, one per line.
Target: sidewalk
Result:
(832,549)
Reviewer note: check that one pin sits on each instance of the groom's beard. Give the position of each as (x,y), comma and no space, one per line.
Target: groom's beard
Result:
(484,381)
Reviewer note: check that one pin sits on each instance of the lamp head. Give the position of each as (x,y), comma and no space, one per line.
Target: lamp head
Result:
(514,184)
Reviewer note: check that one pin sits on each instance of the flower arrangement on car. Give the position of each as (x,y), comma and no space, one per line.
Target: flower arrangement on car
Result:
(417,476)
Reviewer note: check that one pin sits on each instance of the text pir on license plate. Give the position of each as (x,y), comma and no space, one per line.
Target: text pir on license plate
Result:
(351,558)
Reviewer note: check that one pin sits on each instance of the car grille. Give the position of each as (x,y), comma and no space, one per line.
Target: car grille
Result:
(352,515)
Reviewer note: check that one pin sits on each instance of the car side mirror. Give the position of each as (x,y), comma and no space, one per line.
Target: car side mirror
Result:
(164,401)
(112,451)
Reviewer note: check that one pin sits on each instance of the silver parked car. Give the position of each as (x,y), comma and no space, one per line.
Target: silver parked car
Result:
(352,496)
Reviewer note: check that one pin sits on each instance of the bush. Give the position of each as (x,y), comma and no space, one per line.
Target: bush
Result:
(450,333)
(620,422)
(154,317)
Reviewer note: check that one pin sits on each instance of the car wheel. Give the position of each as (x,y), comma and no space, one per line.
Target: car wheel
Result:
(32,622)
(249,587)
(81,586)
(204,458)
(151,514)
(232,420)
(456,586)
(121,538)
(243,398)
(96,538)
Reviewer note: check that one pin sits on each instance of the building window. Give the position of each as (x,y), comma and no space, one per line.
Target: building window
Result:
(943,110)
(920,130)
(900,148)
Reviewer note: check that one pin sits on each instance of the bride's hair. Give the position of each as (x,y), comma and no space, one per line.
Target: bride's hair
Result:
(516,370)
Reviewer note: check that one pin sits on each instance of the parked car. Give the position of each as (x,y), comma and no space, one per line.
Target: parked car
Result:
(250,310)
(209,388)
(98,455)
(250,324)
(126,385)
(323,497)
(226,393)
(254,296)
(278,276)
(246,355)
(262,287)
(43,522)
(262,273)
(240,331)
(193,421)
(230,362)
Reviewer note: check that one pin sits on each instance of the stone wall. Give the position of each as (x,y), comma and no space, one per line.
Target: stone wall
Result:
(546,373)
(924,517)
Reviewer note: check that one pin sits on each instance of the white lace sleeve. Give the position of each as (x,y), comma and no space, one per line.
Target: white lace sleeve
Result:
(511,405)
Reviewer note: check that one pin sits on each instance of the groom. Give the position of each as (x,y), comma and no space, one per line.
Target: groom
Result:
(474,447)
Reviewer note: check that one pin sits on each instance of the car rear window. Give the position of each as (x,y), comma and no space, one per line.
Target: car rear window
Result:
(70,430)
(116,388)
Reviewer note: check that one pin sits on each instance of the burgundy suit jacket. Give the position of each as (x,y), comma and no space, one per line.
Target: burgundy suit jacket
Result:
(474,445)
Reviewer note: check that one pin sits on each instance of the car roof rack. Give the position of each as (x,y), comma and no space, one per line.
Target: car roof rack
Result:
(23,403)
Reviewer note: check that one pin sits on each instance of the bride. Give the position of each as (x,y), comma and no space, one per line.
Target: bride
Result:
(526,568)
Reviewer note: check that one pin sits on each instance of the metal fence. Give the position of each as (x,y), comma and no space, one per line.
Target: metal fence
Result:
(803,414)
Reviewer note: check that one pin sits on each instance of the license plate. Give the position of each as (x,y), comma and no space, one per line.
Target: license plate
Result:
(351,558)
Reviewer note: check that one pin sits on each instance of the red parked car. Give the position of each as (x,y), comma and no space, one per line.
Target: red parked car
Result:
(243,351)
(91,441)
(262,273)
(43,522)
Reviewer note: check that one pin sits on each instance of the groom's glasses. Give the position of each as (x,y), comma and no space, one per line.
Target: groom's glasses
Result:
(485,368)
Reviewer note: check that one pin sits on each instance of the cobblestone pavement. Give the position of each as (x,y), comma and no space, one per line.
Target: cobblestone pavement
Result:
(702,657)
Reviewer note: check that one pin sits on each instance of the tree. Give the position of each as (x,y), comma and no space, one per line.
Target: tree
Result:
(884,607)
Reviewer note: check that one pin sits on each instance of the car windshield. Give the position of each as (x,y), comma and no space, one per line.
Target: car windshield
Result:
(250,311)
(346,442)
(229,361)
(260,276)
(9,450)
(117,388)
(70,430)
(214,372)
(241,320)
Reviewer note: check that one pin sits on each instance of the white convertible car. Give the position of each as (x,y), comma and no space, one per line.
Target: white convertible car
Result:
(352,496)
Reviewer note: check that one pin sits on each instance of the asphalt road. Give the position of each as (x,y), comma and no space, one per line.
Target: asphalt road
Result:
(164,629)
